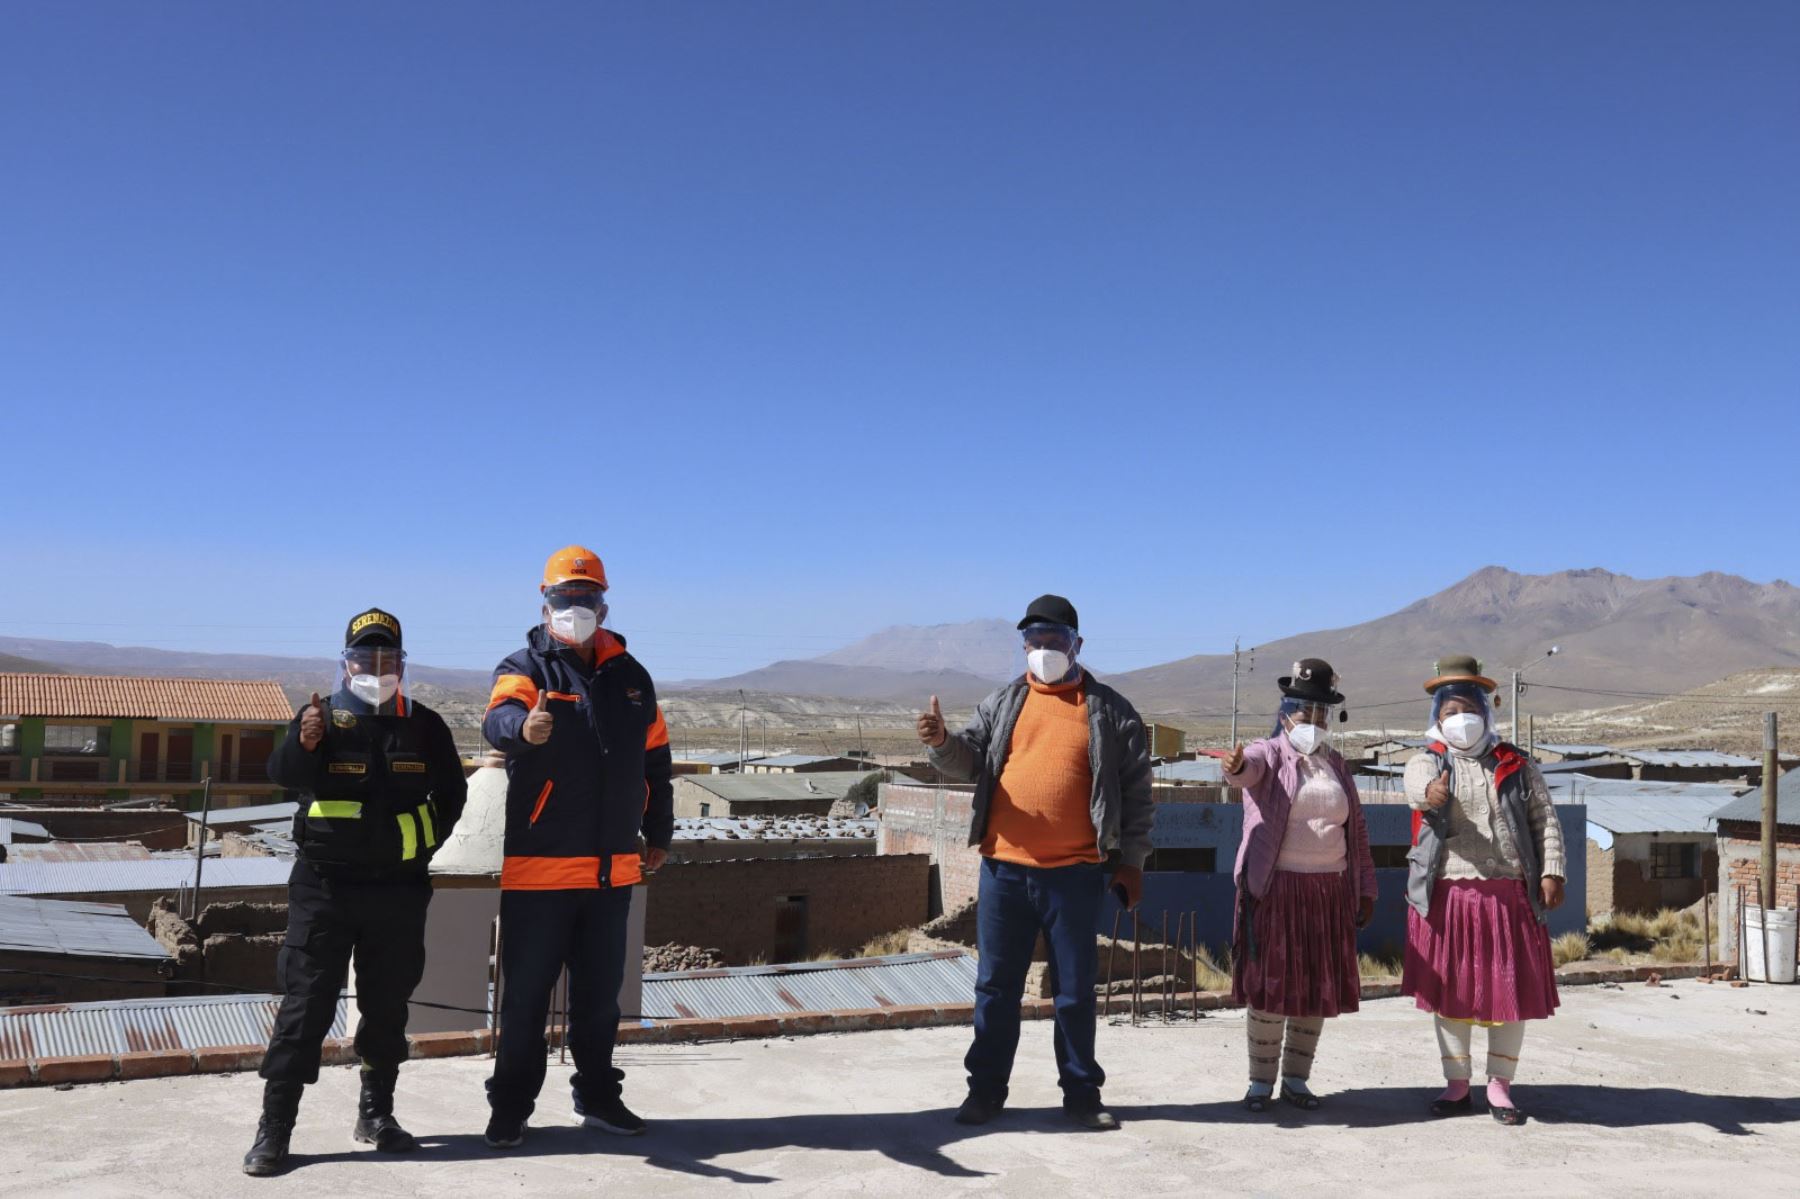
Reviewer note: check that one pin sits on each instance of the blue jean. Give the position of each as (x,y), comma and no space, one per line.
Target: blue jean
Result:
(1015,904)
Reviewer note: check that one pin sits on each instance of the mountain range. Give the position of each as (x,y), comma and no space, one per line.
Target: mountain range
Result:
(1615,633)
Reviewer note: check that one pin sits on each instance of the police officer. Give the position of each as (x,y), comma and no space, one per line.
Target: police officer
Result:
(589,811)
(380,786)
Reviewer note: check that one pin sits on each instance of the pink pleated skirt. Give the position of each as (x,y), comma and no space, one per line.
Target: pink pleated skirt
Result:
(1299,958)
(1480,955)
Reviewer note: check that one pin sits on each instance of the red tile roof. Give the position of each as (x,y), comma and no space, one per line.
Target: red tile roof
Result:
(106,697)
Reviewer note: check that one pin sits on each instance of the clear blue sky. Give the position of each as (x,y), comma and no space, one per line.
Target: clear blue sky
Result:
(812,318)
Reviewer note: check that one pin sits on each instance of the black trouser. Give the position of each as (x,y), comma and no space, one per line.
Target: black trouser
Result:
(381,925)
(540,933)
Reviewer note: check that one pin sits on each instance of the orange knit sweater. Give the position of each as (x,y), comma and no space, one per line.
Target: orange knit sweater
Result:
(1039,814)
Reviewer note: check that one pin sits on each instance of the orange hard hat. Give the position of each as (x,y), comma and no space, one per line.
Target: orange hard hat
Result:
(573,563)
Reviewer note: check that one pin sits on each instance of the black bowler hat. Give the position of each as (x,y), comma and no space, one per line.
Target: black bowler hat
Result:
(1050,609)
(1313,680)
(373,627)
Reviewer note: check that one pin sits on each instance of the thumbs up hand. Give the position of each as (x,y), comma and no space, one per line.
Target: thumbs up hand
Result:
(1234,761)
(539,723)
(931,725)
(312,724)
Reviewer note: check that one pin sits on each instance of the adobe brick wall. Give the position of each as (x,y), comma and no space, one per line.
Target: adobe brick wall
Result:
(157,828)
(1600,878)
(933,821)
(1740,864)
(731,905)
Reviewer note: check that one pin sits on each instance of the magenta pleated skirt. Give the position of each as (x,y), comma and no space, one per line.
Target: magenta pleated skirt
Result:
(1480,955)
(1299,958)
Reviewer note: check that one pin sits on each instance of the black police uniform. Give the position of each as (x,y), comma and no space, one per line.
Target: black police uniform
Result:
(377,797)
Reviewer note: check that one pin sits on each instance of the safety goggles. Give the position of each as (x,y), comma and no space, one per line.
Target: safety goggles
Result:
(574,595)
(374,659)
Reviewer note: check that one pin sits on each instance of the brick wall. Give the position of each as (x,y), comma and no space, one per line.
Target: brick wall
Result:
(30,979)
(732,906)
(1740,864)
(933,821)
(1600,879)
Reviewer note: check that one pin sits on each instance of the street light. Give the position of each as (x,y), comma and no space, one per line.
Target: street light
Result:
(1518,688)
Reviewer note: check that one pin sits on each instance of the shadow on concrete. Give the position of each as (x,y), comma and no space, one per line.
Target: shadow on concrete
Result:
(920,1139)
(1552,1103)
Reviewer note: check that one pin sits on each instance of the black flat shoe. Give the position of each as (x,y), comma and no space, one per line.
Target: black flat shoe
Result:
(1306,1103)
(1452,1107)
(1256,1103)
(1512,1117)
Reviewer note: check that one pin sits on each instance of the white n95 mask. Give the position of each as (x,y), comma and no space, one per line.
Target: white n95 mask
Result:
(1464,730)
(1048,665)
(574,625)
(1306,737)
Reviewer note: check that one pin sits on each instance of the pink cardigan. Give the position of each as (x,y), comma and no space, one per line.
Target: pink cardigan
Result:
(1270,777)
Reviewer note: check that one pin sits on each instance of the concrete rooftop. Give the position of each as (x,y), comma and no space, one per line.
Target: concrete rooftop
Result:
(1682,1089)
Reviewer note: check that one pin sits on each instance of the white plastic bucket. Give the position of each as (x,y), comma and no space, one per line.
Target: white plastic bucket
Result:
(1780,966)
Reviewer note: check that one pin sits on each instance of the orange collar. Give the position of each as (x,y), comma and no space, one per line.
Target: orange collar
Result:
(1055,688)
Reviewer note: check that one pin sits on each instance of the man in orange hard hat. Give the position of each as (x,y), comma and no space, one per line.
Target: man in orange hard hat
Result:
(589,809)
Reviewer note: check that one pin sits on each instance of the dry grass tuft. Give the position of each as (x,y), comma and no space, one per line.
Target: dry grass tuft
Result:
(1570,947)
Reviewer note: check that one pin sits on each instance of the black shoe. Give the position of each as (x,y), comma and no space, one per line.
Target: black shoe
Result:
(385,1133)
(504,1133)
(978,1109)
(269,1155)
(1512,1117)
(375,1123)
(1094,1117)
(1452,1107)
(611,1116)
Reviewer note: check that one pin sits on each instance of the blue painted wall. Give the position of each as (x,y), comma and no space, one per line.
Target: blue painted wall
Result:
(1219,827)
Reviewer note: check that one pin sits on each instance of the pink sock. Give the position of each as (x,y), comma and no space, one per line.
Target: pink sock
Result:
(1455,1089)
(1500,1092)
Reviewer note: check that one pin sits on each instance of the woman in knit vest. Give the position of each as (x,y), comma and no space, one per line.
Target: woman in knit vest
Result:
(1486,866)
(1306,884)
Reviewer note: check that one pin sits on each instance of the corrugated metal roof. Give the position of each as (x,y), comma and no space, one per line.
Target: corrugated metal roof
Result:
(136,1025)
(753,828)
(78,851)
(718,759)
(801,760)
(1748,805)
(258,814)
(1567,747)
(89,930)
(1711,758)
(111,697)
(167,875)
(1578,765)
(1201,770)
(854,985)
(1634,806)
(741,787)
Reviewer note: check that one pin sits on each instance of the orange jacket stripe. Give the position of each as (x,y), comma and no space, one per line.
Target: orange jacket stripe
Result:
(627,870)
(658,734)
(513,686)
(549,874)
(568,874)
(542,799)
(574,699)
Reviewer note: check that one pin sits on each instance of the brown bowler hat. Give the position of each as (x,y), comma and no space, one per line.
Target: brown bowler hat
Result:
(1459,668)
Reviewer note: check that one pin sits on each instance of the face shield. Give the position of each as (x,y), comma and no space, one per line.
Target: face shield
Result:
(1462,716)
(574,611)
(375,675)
(1305,722)
(1050,651)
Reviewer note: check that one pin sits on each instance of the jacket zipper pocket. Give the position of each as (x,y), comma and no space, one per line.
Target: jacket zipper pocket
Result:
(542,799)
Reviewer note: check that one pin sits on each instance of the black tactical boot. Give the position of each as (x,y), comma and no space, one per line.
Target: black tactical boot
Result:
(281,1103)
(375,1123)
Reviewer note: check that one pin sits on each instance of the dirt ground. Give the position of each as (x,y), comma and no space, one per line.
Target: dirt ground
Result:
(1685,1089)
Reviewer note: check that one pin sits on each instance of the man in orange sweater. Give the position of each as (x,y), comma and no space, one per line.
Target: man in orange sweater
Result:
(1062,800)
